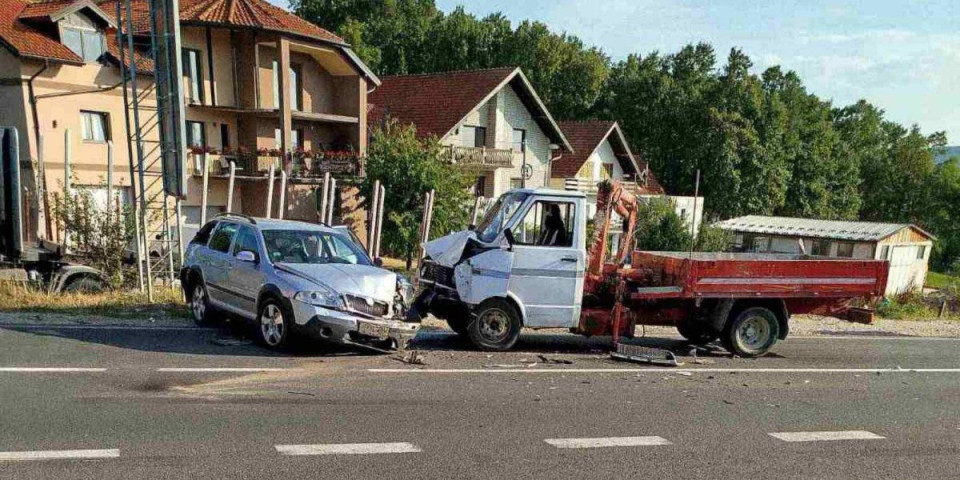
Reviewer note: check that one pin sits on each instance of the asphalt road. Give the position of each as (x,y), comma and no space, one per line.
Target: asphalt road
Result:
(171,403)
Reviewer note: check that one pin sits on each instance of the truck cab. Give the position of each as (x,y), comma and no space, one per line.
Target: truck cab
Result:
(522,266)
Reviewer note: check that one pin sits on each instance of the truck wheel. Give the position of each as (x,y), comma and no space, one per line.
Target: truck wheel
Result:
(752,332)
(495,326)
(274,324)
(697,333)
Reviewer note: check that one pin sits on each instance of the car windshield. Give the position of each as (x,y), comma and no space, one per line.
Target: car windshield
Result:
(312,247)
(498,215)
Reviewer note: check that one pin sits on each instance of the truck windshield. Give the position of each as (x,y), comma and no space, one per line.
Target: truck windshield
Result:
(498,215)
(294,246)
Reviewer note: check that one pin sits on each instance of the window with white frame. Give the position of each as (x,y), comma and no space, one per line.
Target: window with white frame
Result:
(82,36)
(193,72)
(93,127)
(196,134)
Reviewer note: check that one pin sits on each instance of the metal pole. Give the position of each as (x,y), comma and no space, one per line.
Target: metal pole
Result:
(233,174)
(168,236)
(109,179)
(333,196)
(206,187)
(476,210)
(382,196)
(372,228)
(67,196)
(693,220)
(43,207)
(324,197)
(179,230)
(126,117)
(273,166)
(283,193)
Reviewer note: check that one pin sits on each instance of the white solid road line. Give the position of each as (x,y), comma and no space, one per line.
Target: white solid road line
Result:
(227,369)
(664,369)
(30,326)
(59,455)
(348,448)
(607,442)
(826,436)
(50,370)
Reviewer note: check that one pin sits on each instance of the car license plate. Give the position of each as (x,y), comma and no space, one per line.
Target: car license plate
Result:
(373,330)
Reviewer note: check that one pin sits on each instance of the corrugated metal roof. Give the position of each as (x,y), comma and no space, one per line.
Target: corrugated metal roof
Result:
(805,227)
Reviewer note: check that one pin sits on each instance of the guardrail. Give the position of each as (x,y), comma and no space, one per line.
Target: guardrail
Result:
(481,156)
(346,164)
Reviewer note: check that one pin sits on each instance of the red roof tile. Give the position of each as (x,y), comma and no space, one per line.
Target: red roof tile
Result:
(586,137)
(45,8)
(251,13)
(29,42)
(435,103)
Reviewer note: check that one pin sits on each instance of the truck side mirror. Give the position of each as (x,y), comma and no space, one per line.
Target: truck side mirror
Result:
(247,256)
(508,235)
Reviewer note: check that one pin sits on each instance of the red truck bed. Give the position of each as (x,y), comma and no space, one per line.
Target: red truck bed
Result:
(742,275)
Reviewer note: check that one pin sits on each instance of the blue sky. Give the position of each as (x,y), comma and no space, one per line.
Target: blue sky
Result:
(903,56)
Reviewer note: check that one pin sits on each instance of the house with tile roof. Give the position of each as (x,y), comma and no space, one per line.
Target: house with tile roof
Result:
(601,152)
(259,84)
(491,121)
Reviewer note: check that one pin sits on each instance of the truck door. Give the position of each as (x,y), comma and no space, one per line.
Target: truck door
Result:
(548,262)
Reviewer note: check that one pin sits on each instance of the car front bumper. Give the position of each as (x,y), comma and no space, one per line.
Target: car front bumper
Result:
(345,327)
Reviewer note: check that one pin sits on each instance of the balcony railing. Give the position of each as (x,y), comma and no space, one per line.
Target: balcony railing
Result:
(297,165)
(589,187)
(481,156)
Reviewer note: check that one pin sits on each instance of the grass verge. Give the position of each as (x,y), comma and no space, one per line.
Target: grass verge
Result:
(118,304)
(941,281)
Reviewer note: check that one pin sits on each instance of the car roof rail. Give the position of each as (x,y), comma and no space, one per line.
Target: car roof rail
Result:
(238,215)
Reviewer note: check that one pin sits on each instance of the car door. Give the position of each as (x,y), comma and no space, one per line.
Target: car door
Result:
(245,279)
(548,262)
(217,262)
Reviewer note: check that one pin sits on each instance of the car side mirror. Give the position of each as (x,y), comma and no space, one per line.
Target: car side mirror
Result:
(508,236)
(378,261)
(247,256)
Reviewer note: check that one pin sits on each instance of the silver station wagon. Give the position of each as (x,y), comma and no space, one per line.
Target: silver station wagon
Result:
(294,277)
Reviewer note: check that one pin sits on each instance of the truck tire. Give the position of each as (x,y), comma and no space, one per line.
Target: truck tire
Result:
(495,326)
(752,332)
(697,333)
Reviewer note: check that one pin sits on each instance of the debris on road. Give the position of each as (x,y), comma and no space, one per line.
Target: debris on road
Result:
(642,354)
(554,361)
(412,357)
(231,342)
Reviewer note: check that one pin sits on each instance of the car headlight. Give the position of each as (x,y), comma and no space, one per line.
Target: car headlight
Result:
(405,290)
(321,297)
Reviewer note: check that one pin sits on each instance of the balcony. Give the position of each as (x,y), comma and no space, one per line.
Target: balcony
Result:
(304,165)
(589,187)
(482,157)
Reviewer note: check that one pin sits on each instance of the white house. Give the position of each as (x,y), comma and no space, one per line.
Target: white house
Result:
(490,120)
(906,246)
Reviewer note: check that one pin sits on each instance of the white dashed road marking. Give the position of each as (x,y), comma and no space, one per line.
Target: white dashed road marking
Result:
(663,369)
(348,448)
(50,370)
(826,436)
(227,369)
(59,455)
(607,442)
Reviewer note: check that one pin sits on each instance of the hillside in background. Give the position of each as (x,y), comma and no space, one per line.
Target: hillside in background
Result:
(953,151)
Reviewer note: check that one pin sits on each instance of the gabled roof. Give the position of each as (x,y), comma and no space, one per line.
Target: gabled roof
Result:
(588,136)
(55,10)
(25,41)
(257,14)
(436,103)
(805,227)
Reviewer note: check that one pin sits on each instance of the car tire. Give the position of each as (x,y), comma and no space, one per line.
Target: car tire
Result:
(200,309)
(752,332)
(697,333)
(85,284)
(495,326)
(274,324)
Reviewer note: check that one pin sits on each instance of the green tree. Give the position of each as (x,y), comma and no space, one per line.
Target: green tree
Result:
(659,228)
(409,167)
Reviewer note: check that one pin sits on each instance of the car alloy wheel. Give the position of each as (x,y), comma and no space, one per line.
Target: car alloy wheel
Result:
(271,325)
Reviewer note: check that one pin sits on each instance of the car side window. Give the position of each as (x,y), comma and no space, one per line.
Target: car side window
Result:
(546,224)
(223,237)
(203,235)
(246,242)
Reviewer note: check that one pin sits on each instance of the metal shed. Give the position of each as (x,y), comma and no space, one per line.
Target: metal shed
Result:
(906,246)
